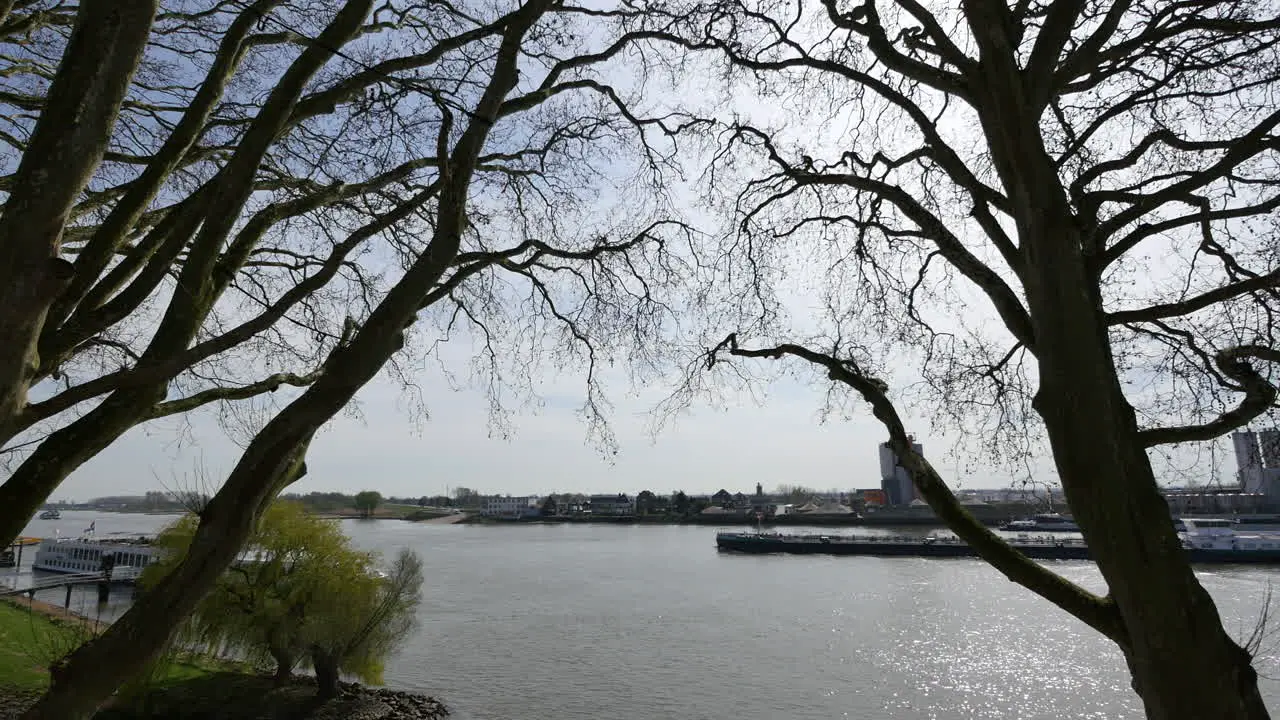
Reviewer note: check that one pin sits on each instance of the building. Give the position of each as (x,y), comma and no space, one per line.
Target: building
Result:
(1258,462)
(618,504)
(874,496)
(894,479)
(511,507)
(1258,480)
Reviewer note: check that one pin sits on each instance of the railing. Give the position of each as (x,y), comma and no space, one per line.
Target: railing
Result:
(54,582)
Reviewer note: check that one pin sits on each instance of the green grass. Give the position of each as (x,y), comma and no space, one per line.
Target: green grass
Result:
(29,643)
(189,687)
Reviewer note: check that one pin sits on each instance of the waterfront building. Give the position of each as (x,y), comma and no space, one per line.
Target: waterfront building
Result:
(618,504)
(509,507)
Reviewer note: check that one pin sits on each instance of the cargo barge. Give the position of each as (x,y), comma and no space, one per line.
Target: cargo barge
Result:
(1205,541)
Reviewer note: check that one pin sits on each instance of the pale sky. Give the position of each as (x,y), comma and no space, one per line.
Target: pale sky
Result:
(387,448)
(781,441)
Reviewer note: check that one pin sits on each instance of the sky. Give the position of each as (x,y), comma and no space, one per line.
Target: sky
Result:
(779,442)
(387,448)
(782,440)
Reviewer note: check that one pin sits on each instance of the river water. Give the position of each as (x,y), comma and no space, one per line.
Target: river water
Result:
(558,622)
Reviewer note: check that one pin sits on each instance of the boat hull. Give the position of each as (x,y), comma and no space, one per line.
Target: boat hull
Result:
(762,545)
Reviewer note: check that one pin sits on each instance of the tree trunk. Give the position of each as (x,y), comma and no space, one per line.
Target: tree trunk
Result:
(284,665)
(275,456)
(1184,664)
(93,672)
(327,675)
(66,449)
(65,148)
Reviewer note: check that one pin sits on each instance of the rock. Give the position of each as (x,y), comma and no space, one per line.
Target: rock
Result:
(356,702)
(15,702)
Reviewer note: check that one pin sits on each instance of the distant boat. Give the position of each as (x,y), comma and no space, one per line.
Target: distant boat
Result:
(1044,522)
(51,514)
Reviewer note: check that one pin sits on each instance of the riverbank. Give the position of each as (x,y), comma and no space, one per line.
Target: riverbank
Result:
(905,519)
(234,696)
(34,635)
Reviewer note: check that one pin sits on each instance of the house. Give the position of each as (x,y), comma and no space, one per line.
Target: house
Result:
(722,499)
(618,504)
(511,508)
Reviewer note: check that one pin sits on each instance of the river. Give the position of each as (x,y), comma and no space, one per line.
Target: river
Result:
(556,622)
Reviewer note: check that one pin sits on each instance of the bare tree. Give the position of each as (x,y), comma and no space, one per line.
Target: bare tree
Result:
(338,173)
(270,170)
(1103,176)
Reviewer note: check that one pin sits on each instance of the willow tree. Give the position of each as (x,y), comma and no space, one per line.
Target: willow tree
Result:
(303,593)
(1102,178)
(301,183)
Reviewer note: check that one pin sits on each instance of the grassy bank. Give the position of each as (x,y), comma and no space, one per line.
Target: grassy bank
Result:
(32,638)
(29,643)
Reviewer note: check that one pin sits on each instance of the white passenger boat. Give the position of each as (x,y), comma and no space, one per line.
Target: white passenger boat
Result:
(84,554)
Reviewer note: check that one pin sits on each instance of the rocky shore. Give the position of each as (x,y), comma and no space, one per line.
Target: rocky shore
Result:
(357,702)
(15,702)
(252,698)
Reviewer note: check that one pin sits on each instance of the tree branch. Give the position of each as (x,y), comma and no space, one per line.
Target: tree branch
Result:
(1196,303)
(239,392)
(1098,612)
(1259,397)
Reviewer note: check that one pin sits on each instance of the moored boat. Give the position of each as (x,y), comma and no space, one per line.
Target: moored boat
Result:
(1204,540)
(1043,522)
(85,555)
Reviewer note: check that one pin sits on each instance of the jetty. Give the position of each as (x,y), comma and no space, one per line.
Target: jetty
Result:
(29,585)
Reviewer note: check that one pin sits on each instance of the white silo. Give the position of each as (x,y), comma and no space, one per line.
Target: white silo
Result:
(1246,446)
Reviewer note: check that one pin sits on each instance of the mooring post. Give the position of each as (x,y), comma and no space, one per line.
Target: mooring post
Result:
(18,565)
(67,604)
(104,591)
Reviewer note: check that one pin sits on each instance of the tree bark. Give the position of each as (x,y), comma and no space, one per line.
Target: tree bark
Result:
(327,675)
(66,146)
(1184,665)
(275,456)
(65,450)
(197,291)
(1183,662)
(93,671)
(284,665)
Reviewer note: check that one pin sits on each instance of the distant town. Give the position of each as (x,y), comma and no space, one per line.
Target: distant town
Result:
(895,500)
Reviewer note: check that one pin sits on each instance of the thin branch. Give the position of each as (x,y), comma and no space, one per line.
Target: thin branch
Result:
(1259,397)
(1098,612)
